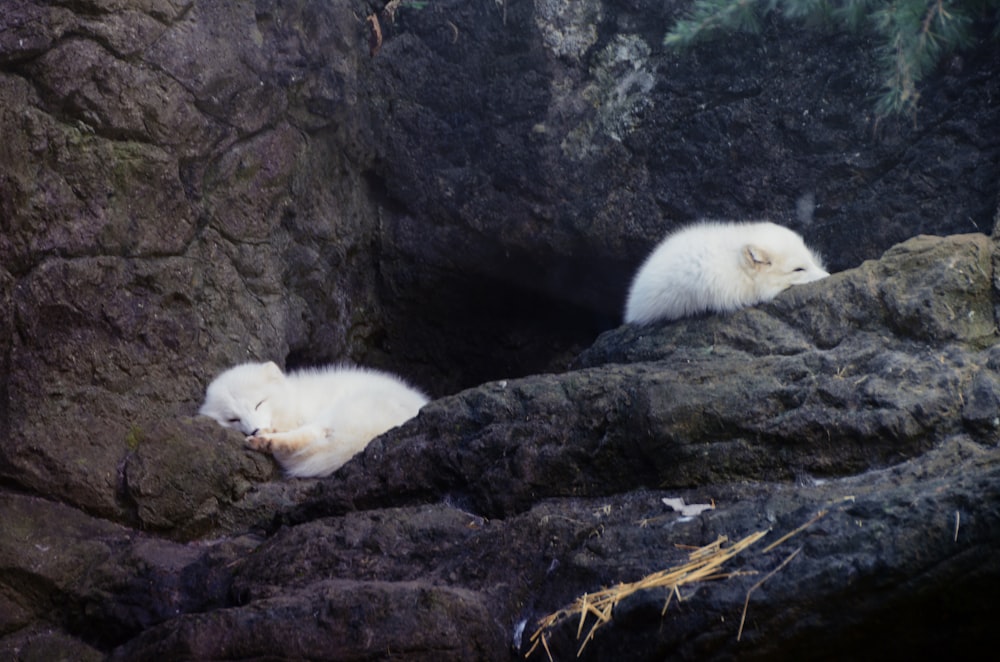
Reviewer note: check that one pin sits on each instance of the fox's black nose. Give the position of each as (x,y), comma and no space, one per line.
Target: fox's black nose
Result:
(254,432)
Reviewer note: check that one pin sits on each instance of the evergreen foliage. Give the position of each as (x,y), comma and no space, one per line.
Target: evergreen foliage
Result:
(912,35)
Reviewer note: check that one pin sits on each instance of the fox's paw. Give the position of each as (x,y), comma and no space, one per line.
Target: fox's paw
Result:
(259,443)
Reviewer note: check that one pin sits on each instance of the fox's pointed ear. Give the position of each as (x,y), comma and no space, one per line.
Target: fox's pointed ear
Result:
(272,371)
(756,257)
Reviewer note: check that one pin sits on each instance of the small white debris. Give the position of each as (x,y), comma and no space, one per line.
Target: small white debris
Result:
(518,633)
(688,509)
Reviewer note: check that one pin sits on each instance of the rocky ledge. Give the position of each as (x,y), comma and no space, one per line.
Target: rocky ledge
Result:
(858,416)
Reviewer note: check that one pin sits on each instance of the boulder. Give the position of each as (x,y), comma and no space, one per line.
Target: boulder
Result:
(187,185)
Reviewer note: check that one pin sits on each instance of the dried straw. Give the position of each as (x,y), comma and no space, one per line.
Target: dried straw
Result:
(703,565)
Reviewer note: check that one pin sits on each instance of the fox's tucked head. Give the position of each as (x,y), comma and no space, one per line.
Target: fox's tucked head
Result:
(240,397)
(778,259)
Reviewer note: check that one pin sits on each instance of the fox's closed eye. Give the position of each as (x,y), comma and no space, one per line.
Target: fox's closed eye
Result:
(259,404)
(232,421)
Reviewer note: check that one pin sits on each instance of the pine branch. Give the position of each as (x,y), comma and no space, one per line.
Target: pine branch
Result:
(915,34)
(711,17)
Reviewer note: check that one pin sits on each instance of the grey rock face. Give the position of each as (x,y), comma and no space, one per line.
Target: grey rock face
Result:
(186,185)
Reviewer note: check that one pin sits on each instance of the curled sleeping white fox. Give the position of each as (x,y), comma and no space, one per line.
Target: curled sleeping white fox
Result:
(312,420)
(719,267)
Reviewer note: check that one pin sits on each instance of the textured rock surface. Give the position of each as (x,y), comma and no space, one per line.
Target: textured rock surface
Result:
(185,185)
(450,536)
(800,387)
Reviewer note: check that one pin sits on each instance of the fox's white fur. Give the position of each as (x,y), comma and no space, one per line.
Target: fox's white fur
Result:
(313,420)
(719,267)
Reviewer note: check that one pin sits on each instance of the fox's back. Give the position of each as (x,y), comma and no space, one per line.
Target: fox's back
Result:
(313,392)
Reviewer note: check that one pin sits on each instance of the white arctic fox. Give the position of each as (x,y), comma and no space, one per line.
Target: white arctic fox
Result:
(313,420)
(719,267)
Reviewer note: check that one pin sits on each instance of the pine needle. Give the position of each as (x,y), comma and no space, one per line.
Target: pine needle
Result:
(821,514)
(746,603)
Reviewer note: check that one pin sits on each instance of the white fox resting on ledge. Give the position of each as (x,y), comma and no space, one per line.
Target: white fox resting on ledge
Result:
(312,420)
(719,267)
